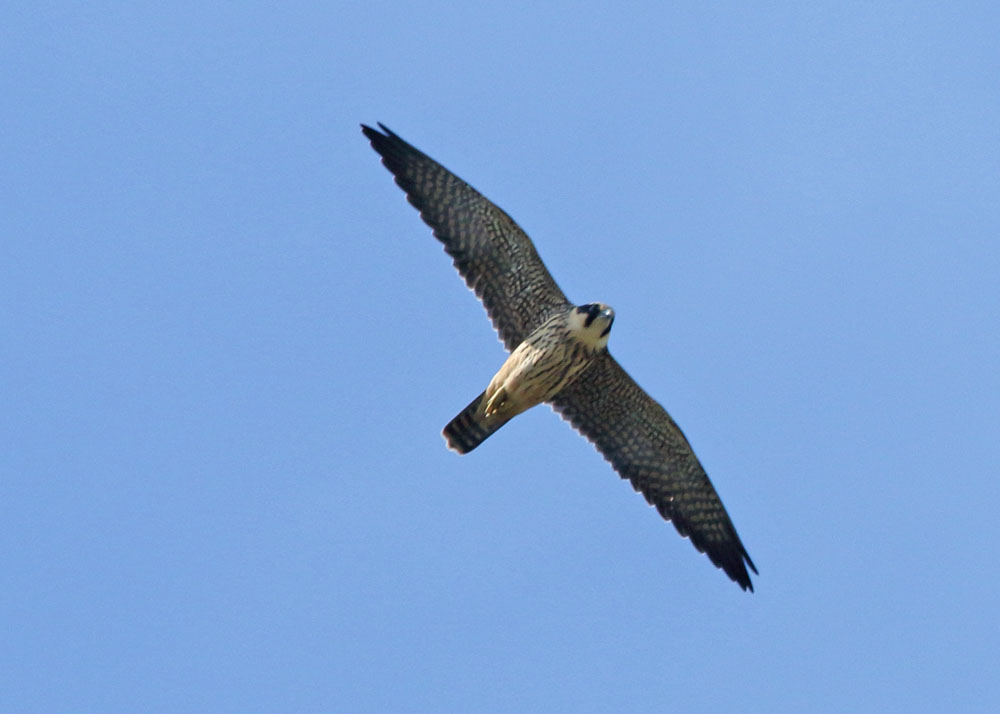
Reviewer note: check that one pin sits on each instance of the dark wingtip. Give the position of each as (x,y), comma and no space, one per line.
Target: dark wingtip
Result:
(395,152)
(371,134)
(741,576)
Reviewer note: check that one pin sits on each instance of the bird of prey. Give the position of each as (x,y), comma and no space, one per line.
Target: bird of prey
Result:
(559,355)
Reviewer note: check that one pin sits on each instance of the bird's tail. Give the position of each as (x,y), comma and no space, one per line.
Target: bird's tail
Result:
(470,428)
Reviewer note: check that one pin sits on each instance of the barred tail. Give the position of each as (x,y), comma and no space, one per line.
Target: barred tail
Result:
(468,430)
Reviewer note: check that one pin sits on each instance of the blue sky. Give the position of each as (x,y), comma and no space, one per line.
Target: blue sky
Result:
(229,346)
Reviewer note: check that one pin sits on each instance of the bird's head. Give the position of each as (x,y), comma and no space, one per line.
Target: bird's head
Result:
(591,324)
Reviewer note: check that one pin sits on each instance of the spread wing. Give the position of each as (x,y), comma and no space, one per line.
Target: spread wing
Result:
(496,258)
(645,446)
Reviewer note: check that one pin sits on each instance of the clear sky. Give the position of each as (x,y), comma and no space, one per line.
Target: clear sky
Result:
(229,345)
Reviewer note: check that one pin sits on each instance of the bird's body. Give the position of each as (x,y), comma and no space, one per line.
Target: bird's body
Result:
(546,361)
(559,355)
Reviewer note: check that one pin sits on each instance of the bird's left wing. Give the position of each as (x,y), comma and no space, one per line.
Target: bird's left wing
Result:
(645,446)
(496,258)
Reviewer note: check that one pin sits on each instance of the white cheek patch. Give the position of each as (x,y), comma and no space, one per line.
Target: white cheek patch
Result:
(591,337)
(577,320)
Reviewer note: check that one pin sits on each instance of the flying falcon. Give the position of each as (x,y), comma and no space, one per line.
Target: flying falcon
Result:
(559,355)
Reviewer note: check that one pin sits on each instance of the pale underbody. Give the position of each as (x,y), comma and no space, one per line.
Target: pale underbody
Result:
(547,360)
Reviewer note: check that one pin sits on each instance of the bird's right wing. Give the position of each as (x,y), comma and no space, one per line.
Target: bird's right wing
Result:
(645,446)
(496,258)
